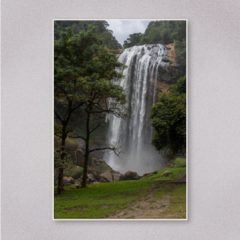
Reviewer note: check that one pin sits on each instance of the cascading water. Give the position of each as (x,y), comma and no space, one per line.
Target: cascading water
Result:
(134,134)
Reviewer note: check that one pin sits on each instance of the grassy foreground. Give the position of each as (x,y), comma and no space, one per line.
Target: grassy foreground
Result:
(100,200)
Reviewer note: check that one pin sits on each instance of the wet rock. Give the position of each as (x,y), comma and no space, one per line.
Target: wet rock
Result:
(129,175)
(111,177)
(122,177)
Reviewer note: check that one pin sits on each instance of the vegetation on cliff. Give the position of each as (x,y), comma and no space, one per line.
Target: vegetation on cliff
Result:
(163,32)
(169,121)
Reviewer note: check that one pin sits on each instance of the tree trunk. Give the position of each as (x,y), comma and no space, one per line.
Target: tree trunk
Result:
(60,181)
(84,181)
(60,176)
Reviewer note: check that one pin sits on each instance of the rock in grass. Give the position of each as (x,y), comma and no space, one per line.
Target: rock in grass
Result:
(146,175)
(68,181)
(166,174)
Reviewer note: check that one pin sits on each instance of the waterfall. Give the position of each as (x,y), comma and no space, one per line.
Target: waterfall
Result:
(134,134)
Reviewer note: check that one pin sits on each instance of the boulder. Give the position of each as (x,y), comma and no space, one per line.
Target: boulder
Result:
(89,181)
(68,181)
(111,177)
(129,175)
(107,176)
(78,181)
(90,178)
(103,179)
(100,171)
(122,177)
(116,177)
(96,175)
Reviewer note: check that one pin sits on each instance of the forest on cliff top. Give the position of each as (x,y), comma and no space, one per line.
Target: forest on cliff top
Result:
(161,31)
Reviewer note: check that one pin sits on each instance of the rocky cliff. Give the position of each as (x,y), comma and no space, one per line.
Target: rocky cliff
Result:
(169,74)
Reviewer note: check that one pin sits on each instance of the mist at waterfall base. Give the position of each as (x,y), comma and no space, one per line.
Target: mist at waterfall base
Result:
(135,133)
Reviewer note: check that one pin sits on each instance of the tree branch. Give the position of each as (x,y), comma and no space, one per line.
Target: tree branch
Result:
(105,148)
(79,105)
(58,116)
(78,136)
(57,135)
(95,128)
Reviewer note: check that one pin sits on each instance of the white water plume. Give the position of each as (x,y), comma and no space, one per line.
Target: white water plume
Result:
(134,134)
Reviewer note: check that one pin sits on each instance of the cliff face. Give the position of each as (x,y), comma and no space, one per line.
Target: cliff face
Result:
(166,75)
(170,74)
(116,51)
(171,54)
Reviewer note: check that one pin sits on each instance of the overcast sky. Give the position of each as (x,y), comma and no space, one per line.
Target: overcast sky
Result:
(122,29)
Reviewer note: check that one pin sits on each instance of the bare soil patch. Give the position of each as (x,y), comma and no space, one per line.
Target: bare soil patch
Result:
(147,207)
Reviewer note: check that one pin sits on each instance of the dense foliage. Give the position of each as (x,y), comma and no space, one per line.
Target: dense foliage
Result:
(83,74)
(77,26)
(163,32)
(169,121)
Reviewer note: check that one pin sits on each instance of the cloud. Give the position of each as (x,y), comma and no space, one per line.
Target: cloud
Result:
(122,29)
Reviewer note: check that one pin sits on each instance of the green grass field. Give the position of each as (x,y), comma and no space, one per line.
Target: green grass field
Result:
(99,200)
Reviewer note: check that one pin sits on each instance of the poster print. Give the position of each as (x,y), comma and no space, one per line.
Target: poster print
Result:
(120,139)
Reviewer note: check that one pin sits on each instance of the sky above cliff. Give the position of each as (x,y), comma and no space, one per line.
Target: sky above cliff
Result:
(122,29)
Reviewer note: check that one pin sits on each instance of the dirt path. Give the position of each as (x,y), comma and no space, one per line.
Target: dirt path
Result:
(147,207)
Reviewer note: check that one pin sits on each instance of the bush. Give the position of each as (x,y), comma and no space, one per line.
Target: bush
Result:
(178,163)
(78,173)
(75,172)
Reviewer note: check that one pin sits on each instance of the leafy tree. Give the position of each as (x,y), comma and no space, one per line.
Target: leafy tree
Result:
(180,48)
(98,88)
(169,121)
(77,26)
(133,39)
(109,40)
(71,54)
(83,70)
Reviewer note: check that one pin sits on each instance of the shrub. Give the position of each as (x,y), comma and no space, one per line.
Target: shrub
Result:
(75,172)
(178,163)
(78,173)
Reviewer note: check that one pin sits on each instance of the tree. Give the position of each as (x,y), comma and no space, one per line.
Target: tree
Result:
(133,39)
(169,121)
(83,70)
(98,88)
(77,26)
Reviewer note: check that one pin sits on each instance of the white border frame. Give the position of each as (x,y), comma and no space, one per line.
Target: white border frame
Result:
(187,173)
